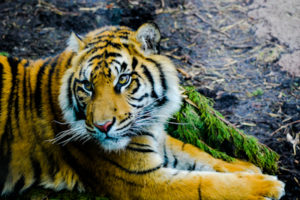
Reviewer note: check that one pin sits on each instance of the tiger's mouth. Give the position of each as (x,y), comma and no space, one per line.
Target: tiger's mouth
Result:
(110,141)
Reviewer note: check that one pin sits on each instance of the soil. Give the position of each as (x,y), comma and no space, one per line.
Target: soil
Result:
(217,46)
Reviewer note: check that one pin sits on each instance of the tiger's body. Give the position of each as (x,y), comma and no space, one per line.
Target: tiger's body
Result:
(93,118)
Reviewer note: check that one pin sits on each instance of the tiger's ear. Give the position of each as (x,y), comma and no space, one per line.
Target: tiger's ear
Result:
(75,43)
(149,36)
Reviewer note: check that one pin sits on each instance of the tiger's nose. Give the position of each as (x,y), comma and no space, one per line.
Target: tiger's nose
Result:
(104,128)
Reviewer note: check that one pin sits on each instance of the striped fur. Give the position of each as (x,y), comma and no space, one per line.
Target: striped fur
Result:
(93,118)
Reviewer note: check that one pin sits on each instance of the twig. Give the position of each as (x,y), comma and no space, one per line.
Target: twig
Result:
(92,9)
(184,73)
(54,9)
(162,3)
(285,126)
(212,26)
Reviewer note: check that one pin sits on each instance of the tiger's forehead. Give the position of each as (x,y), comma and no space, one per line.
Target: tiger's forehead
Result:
(108,52)
(115,34)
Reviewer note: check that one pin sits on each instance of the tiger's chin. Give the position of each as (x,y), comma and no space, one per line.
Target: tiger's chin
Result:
(112,144)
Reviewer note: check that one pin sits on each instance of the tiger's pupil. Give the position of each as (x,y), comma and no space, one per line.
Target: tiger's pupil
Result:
(123,79)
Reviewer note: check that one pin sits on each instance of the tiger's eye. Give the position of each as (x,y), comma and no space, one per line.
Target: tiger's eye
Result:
(123,79)
(88,86)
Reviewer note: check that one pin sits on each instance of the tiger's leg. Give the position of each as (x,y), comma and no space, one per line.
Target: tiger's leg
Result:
(138,172)
(172,184)
(186,156)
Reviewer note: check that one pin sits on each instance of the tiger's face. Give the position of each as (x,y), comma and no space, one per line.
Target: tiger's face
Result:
(118,86)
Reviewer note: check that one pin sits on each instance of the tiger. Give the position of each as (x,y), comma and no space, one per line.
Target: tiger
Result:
(92,118)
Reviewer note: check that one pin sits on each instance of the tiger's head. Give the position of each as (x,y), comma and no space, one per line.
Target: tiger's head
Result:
(118,86)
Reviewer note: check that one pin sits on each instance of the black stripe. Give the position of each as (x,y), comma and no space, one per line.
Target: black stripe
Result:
(134,63)
(192,167)
(163,81)
(126,125)
(124,37)
(123,120)
(126,46)
(116,68)
(114,45)
(159,67)
(81,69)
(137,172)
(95,57)
(50,76)
(20,184)
(26,64)
(36,169)
(48,156)
(146,134)
(140,98)
(183,145)
(150,78)
(70,102)
(100,37)
(123,66)
(166,159)
(108,43)
(136,106)
(139,144)
(127,181)
(175,161)
(141,150)
(5,153)
(1,84)
(124,32)
(69,60)
(25,93)
(16,104)
(116,62)
(199,191)
(111,54)
(137,87)
(7,137)
(38,88)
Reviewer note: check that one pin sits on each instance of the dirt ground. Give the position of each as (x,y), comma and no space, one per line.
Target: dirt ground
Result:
(243,54)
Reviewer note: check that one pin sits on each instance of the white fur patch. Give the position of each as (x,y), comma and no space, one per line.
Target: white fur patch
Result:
(73,43)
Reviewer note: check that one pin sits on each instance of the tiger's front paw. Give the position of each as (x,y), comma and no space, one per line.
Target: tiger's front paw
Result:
(240,186)
(263,187)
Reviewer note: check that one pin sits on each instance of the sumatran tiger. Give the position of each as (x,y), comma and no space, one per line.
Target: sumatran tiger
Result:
(92,118)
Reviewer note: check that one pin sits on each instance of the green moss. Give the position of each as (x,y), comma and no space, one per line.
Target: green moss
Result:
(204,127)
(4,54)
(257,92)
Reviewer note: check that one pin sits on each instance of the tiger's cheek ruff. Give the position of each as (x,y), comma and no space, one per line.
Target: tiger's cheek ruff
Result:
(158,96)
(69,107)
